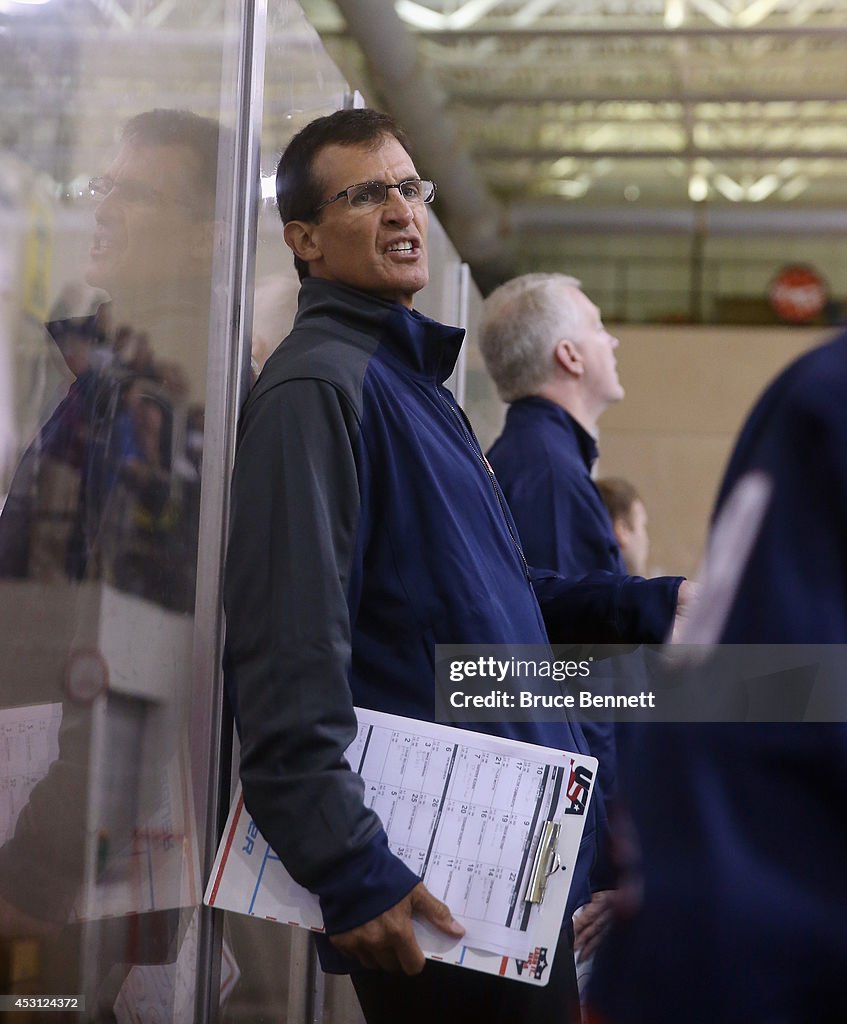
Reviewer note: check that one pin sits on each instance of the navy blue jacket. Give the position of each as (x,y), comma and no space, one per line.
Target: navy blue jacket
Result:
(794,587)
(367,527)
(742,826)
(543,462)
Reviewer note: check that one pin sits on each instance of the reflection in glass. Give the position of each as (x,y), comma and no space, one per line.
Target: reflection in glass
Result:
(110,490)
(104,338)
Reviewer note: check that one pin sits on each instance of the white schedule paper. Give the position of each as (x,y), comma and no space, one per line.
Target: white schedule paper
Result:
(463,810)
(29,744)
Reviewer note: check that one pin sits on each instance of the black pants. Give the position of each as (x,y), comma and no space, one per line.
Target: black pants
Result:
(444,994)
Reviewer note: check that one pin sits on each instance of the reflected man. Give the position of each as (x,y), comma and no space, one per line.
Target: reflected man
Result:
(105,494)
(108,499)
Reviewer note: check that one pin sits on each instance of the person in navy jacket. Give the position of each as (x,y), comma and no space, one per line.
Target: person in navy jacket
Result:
(741,825)
(367,527)
(553,360)
(546,348)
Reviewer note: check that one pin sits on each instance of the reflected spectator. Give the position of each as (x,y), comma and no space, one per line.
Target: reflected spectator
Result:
(194,437)
(152,244)
(106,493)
(152,253)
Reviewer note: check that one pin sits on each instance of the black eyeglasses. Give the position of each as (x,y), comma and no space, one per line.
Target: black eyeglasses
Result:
(369,194)
(126,191)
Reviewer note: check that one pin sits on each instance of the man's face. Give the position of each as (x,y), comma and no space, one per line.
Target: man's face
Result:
(597,348)
(634,539)
(146,236)
(383,250)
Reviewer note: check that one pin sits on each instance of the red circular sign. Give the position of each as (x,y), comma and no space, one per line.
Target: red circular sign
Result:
(798,294)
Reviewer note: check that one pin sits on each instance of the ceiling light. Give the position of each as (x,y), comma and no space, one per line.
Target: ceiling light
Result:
(791,189)
(419,16)
(563,167)
(573,189)
(755,13)
(698,188)
(467,14)
(674,13)
(763,188)
(729,189)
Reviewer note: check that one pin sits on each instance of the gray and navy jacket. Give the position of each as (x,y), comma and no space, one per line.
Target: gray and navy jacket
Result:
(367,527)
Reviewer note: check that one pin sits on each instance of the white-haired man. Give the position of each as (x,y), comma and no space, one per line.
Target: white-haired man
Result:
(550,355)
(552,359)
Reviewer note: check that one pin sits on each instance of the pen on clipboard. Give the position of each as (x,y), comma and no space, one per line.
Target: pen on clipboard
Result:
(546,861)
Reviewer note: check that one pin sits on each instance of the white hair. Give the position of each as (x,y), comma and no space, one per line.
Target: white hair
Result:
(522,321)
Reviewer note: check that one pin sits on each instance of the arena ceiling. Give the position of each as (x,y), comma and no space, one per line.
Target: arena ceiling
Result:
(534,116)
(611,113)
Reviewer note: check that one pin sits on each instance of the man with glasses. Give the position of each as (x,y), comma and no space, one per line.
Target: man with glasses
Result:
(102,495)
(100,454)
(155,214)
(366,528)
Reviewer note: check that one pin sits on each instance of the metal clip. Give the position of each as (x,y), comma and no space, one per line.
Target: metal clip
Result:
(545,863)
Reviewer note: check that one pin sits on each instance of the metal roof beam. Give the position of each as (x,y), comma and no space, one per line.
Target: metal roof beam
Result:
(409,91)
(690,153)
(531,219)
(475,98)
(508,31)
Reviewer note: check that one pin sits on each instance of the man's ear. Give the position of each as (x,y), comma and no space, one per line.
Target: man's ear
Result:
(623,531)
(567,355)
(300,238)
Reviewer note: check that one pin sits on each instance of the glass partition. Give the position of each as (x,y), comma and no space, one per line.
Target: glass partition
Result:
(275,965)
(278,974)
(116,178)
(131,225)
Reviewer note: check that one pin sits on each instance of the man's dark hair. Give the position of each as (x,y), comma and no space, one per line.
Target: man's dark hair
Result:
(298,190)
(202,135)
(618,496)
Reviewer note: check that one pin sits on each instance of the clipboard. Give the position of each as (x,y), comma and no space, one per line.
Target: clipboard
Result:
(492,826)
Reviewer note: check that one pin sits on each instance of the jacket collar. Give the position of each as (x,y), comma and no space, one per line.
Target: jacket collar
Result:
(536,409)
(424,346)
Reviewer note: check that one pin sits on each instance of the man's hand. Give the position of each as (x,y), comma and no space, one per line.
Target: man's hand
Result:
(388,941)
(591,922)
(686,600)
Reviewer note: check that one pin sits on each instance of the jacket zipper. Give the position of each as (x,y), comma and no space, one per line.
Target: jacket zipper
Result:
(474,446)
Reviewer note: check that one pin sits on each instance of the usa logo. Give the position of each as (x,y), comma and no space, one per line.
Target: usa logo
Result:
(535,964)
(578,788)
